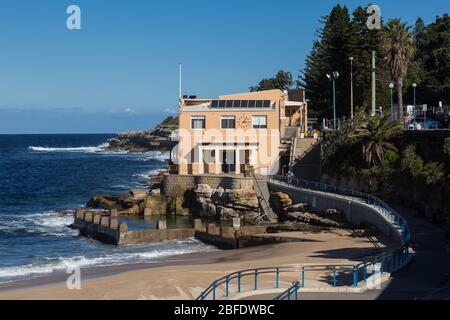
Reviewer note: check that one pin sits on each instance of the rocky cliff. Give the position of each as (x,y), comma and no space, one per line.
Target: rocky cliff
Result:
(158,139)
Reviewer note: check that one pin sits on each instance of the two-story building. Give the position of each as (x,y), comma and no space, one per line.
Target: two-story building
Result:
(238,132)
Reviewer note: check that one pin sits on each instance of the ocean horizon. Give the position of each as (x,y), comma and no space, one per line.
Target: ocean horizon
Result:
(43,178)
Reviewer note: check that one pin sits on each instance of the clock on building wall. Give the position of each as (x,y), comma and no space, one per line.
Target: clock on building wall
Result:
(244,122)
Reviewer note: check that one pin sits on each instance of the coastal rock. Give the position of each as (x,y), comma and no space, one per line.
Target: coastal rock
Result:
(226,213)
(104,202)
(204,201)
(280,201)
(240,199)
(176,207)
(138,194)
(300,207)
(156,205)
(311,219)
(203,191)
(158,139)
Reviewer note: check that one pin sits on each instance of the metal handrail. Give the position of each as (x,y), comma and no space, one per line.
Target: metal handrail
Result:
(265,214)
(388,262)
(289,292)
(390,214)
(239,275)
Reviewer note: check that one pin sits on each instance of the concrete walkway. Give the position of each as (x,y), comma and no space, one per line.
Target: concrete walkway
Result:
(421,279)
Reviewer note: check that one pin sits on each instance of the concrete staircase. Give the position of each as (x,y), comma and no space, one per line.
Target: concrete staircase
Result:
(303,146)
(305,158)
(262,190)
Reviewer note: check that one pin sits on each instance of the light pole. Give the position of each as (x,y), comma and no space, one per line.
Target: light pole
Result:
(414,87)
(391,86)
(351,86)
(333,78)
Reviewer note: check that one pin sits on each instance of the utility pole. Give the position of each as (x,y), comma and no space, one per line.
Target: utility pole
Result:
(374,87)
(351,87)
(180,84)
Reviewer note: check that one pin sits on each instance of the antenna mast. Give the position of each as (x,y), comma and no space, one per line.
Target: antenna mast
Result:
(180,94)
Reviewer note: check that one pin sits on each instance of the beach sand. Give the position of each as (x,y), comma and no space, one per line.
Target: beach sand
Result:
(184,277)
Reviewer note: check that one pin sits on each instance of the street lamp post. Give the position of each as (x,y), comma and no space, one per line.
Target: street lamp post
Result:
(415,108)
(351,86)
(333,78)
(391,86)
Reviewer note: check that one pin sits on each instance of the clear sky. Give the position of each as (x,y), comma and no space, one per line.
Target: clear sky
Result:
(120,71)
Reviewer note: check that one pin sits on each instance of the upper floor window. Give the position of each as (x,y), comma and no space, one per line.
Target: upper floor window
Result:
(259,122)
(228,122)
(198,122)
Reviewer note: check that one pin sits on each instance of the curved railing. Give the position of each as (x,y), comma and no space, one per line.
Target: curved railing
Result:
(382,207)
(352,276)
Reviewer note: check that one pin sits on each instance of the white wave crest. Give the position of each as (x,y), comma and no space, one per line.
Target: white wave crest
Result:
(99,148)
(155,155)
(50,223)
(8,274)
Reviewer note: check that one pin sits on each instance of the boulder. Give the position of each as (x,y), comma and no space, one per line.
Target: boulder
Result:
(104,202)
(155,192)
(300,207)
(280,201)
(203,190)
(155,205)
(138,194)
(224,213)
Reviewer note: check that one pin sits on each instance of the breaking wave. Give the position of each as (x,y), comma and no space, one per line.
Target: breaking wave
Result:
(142,254)
(99,148)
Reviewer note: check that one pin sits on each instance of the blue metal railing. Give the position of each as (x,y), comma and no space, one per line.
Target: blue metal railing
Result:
(382,207)
(342,275)
(289,293)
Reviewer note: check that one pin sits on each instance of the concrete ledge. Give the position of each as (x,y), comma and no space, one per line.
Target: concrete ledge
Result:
(177,185)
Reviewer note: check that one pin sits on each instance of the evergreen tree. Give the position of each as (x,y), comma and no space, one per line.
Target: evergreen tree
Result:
(330,53)
(282,81)
(431,63)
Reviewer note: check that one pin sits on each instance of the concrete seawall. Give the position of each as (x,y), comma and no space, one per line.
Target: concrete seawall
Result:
(177,185)
(105,227)
(356,212)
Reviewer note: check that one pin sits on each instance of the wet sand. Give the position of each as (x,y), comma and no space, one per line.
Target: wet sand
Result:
(185,276)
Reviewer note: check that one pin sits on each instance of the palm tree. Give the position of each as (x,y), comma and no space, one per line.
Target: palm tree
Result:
(397,41)
(376,134)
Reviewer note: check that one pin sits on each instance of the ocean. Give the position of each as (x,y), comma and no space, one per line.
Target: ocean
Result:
(43,177)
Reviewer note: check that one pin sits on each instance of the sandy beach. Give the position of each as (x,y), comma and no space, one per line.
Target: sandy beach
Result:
(184,277)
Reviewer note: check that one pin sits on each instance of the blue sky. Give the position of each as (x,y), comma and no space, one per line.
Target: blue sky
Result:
(120,72)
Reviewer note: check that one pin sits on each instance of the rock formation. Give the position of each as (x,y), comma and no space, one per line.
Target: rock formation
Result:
(203,201)
(158,139)
(302,212)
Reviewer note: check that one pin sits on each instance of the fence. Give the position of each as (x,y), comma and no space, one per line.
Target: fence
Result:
(310,275)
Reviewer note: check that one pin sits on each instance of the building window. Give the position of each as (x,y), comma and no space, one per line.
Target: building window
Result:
(198,122)
(228,122)
(260,122)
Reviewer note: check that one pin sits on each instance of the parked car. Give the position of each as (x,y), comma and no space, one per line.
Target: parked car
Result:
(443,118)
(431,123)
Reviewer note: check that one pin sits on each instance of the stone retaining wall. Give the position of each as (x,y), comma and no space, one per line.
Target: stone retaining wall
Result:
(177,185)
(356,213)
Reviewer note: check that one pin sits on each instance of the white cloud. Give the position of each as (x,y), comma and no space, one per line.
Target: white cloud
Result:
(129,110)
(170,111)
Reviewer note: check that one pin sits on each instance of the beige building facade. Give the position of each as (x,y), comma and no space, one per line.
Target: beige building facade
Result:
(236,133)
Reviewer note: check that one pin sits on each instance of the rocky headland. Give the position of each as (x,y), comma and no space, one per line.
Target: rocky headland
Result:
(157,139)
